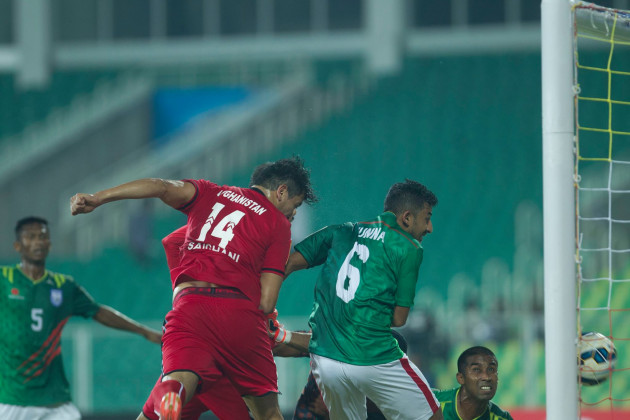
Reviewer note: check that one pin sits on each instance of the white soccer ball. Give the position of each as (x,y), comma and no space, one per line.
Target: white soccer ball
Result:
(597,357)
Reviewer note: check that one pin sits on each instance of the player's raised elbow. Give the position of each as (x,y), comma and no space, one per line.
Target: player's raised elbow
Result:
(398,323)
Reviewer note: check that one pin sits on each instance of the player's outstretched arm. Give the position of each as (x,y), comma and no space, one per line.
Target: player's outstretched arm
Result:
(173,193)
(296,262)
(114,319)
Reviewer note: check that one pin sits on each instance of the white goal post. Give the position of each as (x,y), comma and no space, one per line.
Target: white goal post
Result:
(558,210)
(575,139)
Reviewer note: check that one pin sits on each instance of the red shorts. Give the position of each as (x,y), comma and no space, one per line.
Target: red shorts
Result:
(221,336)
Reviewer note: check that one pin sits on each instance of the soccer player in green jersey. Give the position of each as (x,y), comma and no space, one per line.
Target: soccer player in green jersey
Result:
(478,377)
(366,286)
(35,304)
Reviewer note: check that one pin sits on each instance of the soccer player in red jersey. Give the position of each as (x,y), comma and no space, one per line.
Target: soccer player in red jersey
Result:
(227,280)
(222,398)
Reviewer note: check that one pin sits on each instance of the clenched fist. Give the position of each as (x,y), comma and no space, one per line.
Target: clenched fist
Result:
(83,203)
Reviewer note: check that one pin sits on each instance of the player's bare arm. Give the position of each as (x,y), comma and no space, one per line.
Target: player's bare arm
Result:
(296,262)
(269,289)
(400,316)
(171,192)
(114,319)
(299,341)
(288,343)
(297,346)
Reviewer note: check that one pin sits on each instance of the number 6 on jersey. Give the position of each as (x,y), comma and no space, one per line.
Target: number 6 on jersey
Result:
(348,271)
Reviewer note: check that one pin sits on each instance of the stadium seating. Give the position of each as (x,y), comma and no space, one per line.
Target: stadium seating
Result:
(21,108)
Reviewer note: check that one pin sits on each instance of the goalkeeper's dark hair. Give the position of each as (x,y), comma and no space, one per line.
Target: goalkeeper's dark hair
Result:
(19,226)
(462,360)
(291,172)
(409,195)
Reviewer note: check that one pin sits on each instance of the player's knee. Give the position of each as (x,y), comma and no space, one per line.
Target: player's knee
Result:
(265,407)
(187,379)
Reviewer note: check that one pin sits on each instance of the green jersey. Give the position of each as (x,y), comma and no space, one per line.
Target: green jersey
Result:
(33,314)
(448,400)
(368,269)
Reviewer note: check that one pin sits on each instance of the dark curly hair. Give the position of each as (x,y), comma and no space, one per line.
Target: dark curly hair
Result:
(290,171)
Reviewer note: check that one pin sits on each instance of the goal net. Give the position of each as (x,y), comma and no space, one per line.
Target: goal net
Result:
(602,182)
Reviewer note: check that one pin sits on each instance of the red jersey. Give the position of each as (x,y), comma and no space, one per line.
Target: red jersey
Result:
(233,235)
(173,244)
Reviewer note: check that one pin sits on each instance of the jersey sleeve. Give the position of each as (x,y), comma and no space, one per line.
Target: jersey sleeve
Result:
(202,187)
(278,251)
(408,277)
(82,303)
(314,248)
(172,244)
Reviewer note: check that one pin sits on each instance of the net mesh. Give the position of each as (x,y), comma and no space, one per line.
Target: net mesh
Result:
(602,179)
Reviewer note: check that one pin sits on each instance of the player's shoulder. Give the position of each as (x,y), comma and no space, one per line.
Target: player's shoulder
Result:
(7,268)
(60,279)
(340,230)
(402,242)
(347,226)
(7,271)
(394,234)
(203,186)
(498,413)
(337,228)
(200,182)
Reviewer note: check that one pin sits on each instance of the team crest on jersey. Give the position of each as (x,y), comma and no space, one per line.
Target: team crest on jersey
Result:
(56,297)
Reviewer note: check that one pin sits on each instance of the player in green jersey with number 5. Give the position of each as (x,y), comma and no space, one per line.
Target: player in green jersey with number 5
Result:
(366,286)
(35,304)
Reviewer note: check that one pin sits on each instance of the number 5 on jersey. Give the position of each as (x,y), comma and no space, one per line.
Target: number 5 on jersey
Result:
(348,271)
(37,317)
(223,229)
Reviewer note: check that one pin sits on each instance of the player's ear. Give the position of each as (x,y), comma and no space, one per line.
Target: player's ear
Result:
(407,219)
(282,192)
(17,246)
(460,378)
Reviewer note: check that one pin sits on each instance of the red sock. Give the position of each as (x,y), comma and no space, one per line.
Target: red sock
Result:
(170,385)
